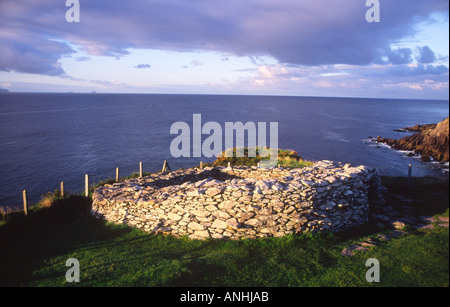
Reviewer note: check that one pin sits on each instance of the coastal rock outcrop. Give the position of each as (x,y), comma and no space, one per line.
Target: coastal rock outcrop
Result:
(243,202)
(431,140)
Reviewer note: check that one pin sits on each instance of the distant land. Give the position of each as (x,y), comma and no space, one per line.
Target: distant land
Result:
(431,140)
(3,90)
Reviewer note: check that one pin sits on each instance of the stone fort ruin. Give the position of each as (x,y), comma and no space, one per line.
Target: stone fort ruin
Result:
(243,202)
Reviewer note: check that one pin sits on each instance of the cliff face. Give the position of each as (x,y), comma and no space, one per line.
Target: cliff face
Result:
(431,140)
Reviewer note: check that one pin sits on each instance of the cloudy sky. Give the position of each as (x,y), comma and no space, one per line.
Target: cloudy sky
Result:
(261,47)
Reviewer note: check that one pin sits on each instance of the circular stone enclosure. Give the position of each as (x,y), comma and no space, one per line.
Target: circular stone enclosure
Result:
(243,202)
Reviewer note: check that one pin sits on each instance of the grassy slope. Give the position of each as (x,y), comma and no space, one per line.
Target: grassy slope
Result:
(34,251)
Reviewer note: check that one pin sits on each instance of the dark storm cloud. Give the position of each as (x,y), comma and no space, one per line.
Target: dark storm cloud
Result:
(308,32)
(40,57)
(426,55)
(420,69)
(400,56)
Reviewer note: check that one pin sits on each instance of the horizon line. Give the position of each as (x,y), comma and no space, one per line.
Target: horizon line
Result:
(208,94)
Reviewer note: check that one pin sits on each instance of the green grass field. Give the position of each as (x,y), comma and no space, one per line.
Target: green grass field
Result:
(34,250)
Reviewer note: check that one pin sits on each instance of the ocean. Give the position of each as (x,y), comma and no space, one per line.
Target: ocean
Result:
(49,138)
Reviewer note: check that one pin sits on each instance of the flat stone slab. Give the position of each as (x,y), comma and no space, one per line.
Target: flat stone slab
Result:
(430,221)
(350,251)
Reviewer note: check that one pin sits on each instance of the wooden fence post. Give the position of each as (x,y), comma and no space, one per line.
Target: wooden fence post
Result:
(86,185)
(25,202)
(62,189)
(166,167)
(409,175)
(140,169)
(201,164)
(117,174)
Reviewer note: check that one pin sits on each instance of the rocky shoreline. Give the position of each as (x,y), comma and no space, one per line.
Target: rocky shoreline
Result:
(431,141)
(243,202)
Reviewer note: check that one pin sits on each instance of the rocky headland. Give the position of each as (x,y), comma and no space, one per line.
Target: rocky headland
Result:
(429,141)
(243,201)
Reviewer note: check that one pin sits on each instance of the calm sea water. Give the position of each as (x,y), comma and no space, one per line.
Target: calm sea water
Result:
(49,138)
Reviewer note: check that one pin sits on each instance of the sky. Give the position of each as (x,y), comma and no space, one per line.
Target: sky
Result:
(246,47)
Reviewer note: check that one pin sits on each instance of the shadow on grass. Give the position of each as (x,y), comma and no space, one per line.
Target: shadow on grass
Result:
(427,195)
(63,227)
(34,248)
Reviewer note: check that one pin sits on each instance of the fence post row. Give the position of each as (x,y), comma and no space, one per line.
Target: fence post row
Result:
(166,168)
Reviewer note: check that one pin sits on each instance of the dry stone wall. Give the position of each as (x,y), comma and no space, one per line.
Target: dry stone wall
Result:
(243,202)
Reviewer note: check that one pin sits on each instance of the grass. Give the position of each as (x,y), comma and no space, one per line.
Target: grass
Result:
(286,158)
(113,255)
(34,250)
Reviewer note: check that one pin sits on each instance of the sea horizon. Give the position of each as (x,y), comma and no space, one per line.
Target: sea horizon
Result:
(230,94)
